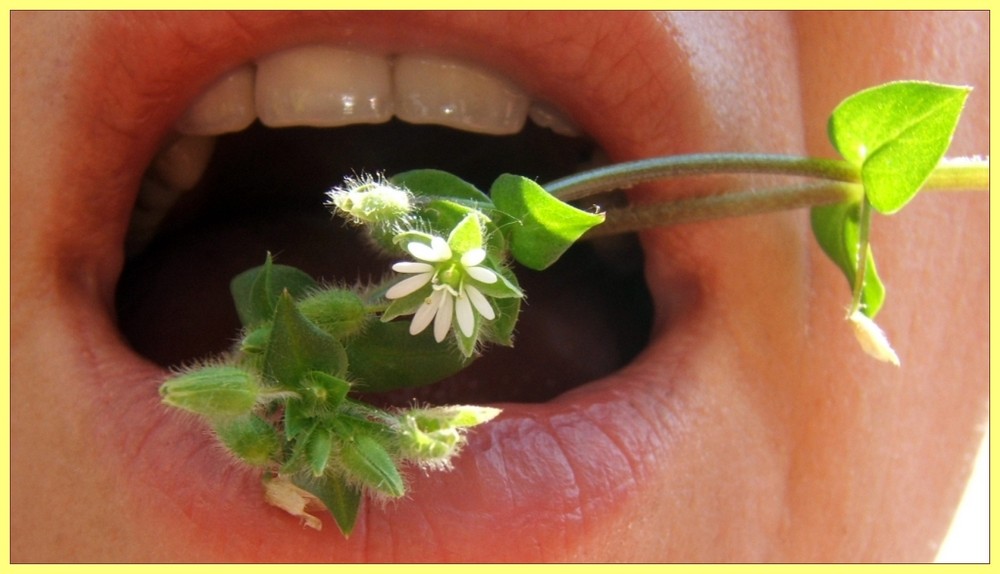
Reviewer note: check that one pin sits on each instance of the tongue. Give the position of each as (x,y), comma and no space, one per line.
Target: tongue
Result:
(582,319)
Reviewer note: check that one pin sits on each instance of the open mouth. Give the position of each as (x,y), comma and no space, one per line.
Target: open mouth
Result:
(248,171)
(596,394)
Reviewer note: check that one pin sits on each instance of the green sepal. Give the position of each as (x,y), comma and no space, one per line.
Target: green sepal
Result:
(318,450)
(442,215)
(467,343)
(539,228)
(406,305)
(297,346)
(368,462)
(339,497)
(387,357)
(896,134)
(505,288)
(250,439)
(501,329)
(255,291)
(837,228)
(323,390)
(466,235)
(299,418)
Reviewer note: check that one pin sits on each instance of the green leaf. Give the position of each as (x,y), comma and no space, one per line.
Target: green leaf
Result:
(433,183)
(297,346)
(837,228)
(896,134)
(369,463)
(256,291)
(539,227)
(339,497)
(387,357)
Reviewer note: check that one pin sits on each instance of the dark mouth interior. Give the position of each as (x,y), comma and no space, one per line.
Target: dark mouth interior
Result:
(584,318)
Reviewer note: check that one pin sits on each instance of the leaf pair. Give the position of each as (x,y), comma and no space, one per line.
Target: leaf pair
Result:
(895,135)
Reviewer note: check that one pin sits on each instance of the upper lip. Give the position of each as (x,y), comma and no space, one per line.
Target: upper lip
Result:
(560,467)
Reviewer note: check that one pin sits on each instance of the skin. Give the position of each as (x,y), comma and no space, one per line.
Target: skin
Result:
(767,435)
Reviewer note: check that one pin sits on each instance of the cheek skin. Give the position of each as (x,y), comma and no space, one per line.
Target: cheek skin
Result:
(753,297)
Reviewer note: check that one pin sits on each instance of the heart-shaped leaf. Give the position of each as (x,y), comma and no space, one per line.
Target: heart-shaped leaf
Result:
(539,227)
(896,134)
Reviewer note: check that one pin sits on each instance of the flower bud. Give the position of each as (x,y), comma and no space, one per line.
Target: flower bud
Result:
(255,342)
(372,201)
(214,391)
(339,312)
(431,437)
(250,439)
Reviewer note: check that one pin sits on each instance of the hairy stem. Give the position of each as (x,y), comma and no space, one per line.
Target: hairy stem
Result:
(732,204)
(864,225)
(842,184)
(624,175)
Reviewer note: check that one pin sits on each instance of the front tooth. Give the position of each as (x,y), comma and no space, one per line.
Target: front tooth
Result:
(432,90)
(181,164)
(227,106)
(547,116)
(324,87)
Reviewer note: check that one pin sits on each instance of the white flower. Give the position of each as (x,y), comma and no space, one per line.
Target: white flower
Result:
(453,292)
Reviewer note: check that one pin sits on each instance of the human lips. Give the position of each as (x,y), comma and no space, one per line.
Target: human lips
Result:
(544,482)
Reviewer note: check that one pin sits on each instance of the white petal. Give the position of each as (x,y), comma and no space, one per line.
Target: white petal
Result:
(412,267)
(463,312)
(480,303)
(438,250)
(482,274)
(442,322)
(473,257)
(425,313)
(408,286)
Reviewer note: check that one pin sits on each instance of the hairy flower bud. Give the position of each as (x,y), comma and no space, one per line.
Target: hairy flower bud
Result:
(372,201)
(339,312)
(432,436)
(250,439)
(213,391)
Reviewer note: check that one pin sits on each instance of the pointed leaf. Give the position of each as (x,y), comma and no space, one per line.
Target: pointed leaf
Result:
(255,291)
(339,497)
(896,133)
(539,227)
(433,183)
(836,228)
(297,346)
(387,357)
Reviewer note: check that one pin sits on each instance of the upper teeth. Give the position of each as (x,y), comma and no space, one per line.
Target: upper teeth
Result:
(325,86)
